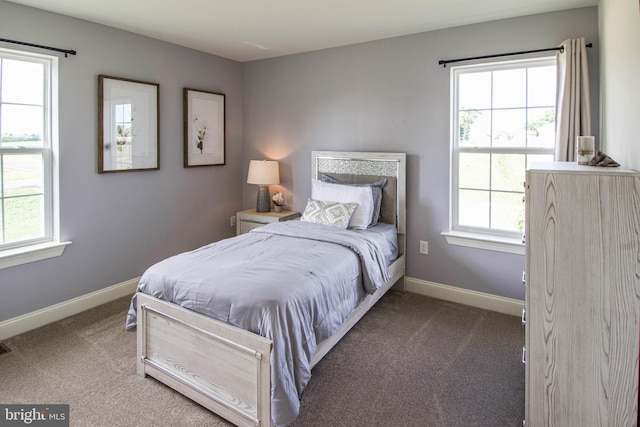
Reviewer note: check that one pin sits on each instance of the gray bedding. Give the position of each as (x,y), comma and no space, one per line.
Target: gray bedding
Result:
(293,282)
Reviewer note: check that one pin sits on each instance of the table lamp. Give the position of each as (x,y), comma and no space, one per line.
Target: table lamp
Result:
(263,173)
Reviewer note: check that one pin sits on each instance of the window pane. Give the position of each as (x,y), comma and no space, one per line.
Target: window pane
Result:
(507,211)
(541,131)
(542,86)
(473,208)
(22,82)
(474,91)
(509,88)
(507,172)
(475,128)
(509,128)
(474,170)
(22,174)
(21,125)
(24,218)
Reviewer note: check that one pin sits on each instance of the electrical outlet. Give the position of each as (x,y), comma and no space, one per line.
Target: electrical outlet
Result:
(424,247)
(232,221)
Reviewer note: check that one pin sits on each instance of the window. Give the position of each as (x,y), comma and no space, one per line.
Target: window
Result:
(28,196)
(503,118)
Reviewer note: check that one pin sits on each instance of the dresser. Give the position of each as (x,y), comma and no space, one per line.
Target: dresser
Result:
(250,219)
(582,303)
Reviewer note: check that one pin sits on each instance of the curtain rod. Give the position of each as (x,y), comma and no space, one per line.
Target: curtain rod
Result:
(39,46)
(449,61)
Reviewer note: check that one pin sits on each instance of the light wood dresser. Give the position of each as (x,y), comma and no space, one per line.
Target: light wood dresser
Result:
(582,304)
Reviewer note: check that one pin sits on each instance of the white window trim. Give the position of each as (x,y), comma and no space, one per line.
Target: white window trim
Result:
(484,241)
(31,253)
(52,247)
(459,236)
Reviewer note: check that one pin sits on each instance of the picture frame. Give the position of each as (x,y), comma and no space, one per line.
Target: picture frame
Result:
(204,128)
(128,125)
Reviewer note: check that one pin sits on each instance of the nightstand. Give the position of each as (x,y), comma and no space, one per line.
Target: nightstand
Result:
(250,219)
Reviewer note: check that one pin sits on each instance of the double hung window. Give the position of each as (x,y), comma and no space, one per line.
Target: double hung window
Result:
(503,118)
(28,195)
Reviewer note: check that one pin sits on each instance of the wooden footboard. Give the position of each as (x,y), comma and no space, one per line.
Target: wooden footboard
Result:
(223,368)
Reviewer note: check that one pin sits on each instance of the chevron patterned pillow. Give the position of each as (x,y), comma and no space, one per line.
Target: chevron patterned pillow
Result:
(329,213)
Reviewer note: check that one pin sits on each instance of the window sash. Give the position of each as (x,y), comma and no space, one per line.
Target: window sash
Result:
(457,149)
(50,233)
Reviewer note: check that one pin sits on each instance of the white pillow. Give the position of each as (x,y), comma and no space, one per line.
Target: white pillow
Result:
(328,213)
(363,196)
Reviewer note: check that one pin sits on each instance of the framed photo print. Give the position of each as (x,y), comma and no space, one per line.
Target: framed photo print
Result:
(204,128)
(128,127)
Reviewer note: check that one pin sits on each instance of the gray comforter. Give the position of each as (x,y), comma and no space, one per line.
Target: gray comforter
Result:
(292,282)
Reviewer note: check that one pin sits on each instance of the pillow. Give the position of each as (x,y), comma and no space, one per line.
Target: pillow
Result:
(388,211)
(328,213)
(363,196)
(376,189)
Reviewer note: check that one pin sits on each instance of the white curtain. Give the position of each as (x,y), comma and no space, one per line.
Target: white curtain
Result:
(573,106)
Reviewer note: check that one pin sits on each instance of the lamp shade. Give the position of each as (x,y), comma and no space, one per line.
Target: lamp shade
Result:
(263,172)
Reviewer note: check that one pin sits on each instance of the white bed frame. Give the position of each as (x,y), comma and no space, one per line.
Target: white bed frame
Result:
(227,369)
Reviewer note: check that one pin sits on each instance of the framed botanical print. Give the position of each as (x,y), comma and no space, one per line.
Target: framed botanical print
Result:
(204,128)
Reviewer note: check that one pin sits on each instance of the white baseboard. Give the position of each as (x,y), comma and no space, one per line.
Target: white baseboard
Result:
(464,296)
(29,321)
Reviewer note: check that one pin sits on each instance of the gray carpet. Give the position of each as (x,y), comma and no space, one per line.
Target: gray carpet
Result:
(411,361)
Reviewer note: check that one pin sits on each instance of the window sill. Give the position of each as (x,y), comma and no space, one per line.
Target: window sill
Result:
(13,257)
(481,241)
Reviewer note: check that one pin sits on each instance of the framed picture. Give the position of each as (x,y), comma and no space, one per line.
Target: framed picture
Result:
(128,136)
(204,132)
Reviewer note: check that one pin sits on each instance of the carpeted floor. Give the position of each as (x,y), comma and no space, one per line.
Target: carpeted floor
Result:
(411,361)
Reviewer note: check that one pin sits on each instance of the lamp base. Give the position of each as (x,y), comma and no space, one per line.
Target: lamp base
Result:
(264,199)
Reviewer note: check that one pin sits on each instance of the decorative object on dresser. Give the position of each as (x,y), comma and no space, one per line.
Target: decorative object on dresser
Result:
(582,295)
(249,219)
(602,160)
(585,149)
(263,173)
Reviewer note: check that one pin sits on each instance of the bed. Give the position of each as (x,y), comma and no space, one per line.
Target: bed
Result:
(241,351)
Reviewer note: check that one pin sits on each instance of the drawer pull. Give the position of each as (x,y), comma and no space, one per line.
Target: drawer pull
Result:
(524,316)
(524,355)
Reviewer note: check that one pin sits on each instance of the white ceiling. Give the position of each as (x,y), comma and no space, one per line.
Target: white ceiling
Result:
(246,30)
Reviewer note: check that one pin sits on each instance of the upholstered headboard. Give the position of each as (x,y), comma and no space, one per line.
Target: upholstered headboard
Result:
(366,167)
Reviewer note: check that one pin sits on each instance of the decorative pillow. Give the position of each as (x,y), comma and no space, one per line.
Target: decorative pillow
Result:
(376,189)
(328,213)
(363,196)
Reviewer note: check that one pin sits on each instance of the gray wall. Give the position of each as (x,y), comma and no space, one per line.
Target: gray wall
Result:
(121,223)
(388,95)
(620,86)
(391,95)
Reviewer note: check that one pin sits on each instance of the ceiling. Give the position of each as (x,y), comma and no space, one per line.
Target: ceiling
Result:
(246,30)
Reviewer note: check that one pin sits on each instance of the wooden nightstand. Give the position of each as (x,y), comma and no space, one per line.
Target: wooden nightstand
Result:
(250,219)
